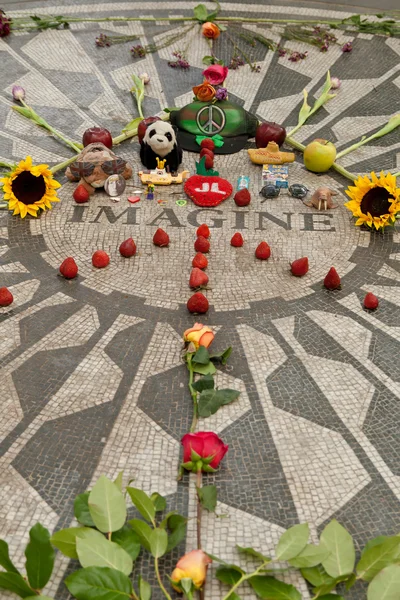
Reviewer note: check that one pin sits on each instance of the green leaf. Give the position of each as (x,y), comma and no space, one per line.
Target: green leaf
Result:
(272,589)
(222,356)
(143,503)
(107,505)
(118,480)
(351,581)
(95,583)
(39,557)
(229,574)
(339,542)
(14,582)
(144,589)
(211,400)
(386,585)
(330,597)
(311,556)
(208,60)
(81,510)
(377,557)
(208,497)
(134,124)
(65,539)
(158,542)
(292,542)
(205,383)
(375,542)
(202,356)
(305,109)
(39,598)
(200,12)
(128,540)
(5,560)
(255,553)
(159,502)
(317,576)
(177,525)
(143,531)
(204,369)
(100,552)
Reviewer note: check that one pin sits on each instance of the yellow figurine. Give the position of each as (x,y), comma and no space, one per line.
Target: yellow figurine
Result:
(271,155)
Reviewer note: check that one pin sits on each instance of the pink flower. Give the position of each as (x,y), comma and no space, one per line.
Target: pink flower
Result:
(216,74)
(205,444)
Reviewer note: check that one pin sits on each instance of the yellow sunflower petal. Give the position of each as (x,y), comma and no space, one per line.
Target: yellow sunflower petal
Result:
(32,212)
(23,210)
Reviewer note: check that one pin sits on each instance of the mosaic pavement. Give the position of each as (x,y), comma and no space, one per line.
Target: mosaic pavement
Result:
(91,379)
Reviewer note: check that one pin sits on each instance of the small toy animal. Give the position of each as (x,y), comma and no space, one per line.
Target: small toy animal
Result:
(271,155)
(95,164)
(160,141)
(322,199)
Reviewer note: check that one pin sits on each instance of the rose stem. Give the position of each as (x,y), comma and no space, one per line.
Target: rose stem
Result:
(160,583)
(193,393)
(199,513)
(244,578)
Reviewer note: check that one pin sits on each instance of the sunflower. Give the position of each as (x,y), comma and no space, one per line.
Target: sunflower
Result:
(28,188)
(374,200)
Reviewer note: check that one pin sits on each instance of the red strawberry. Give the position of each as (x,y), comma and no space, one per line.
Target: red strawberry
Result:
(197,303)
(6,297)
(371,301)
(332,280)
(128,248)
(69,268)
(202,245)
(203,230)
(237,240)
(263,251)
(198,278)
(161,238)
(209,162)
(200,261)
(206,152)
(242,197)
(81,194)
(207,143)
(100,259)
(299,267)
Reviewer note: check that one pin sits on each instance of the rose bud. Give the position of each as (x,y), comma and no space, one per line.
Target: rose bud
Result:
(18,92)
(335,83)
(210,30)
(203,451)
(199,335)
(216,74)
(192,565)
(145,78)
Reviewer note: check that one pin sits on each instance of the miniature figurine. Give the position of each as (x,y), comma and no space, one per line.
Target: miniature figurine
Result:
(322,199)
(150,191)
(160,141)
(95,164)
(159,176)
(271,155)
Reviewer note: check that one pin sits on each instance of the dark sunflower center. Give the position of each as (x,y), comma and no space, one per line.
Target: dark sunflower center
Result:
(27,188)
(376,202)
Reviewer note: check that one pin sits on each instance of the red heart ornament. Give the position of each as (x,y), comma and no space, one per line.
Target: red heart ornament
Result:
(206,190)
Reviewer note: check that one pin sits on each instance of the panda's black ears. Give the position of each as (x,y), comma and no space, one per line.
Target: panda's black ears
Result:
(175,128)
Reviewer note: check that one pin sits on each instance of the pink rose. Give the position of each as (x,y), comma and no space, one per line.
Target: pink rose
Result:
(205,444)
(216,74)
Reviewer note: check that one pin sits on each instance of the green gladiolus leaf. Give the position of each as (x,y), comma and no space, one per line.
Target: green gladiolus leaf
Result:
(143,503)
(145,590)
(118,480)
(208,497)
(128,540)
(311,556)
(255,553)
(39,557)
(133,124)
(94,583)
(143,531)
(292,542)
(205,383)
(177,525)
(200,12)
(81,510)
(158,542)
(65,539)
(100,552)
(211,400)
(208,369)
(339,542)
(229,574)
(272,589)
(202,356)
(386,585)
(317,576)
(222,356)
(378,557)
(107,505)
(14,582)
(390,125)
(5,560)
(305,109)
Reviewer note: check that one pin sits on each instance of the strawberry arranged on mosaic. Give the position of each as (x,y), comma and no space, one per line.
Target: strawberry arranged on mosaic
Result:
(263,251)
(200,261)
(242,197)
(198,278)
(299,267)
(198,303)
(69,268)
(128,248)
(6,297)
(371,302)
(161,238)
(202,245)
(332,279)
(237,240)
(100,259)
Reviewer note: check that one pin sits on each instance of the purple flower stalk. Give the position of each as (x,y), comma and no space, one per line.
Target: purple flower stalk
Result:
(5,24)
(138,51)
(348,47)
(221,94)
(18,92)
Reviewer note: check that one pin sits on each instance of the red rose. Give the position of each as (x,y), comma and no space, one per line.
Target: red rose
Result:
(205,444)
(216,74)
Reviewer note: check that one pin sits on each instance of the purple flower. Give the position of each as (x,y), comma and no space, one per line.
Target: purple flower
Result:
(221,94)
(5,24)
(18,92)
(325,47)
(103,40)
(180,63)
(335,83)
(138,51)
(296,56)
(348,47)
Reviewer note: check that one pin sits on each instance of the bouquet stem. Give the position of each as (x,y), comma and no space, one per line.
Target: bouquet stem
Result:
(62,165)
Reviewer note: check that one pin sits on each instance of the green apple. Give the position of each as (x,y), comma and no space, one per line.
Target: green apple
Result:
(319,156)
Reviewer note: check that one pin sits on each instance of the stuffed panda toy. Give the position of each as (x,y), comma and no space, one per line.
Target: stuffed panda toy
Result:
(160,140)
